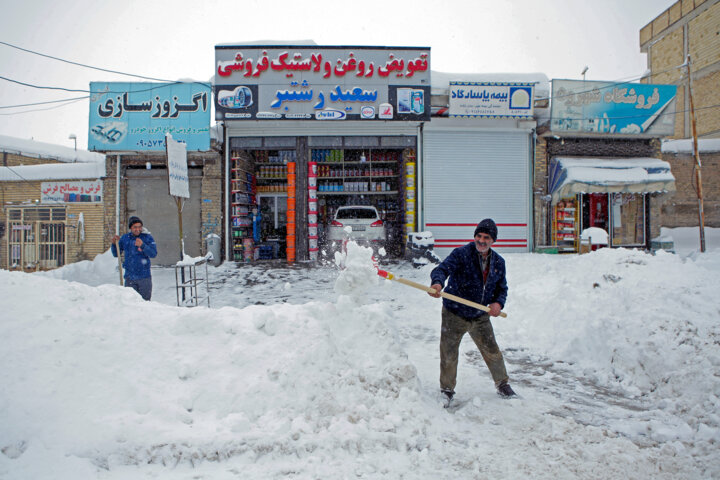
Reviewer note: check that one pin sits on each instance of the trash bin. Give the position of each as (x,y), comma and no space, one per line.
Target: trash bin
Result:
(212,245)
(419,249)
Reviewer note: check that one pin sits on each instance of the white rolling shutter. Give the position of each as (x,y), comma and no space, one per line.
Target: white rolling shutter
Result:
(469,175)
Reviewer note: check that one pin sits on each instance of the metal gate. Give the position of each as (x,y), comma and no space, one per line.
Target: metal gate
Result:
(473,174)
(36,237)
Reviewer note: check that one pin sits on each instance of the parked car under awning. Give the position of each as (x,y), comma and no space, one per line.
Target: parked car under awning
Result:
(572,175)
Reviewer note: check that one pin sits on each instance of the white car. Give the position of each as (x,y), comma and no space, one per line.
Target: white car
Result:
(358,223)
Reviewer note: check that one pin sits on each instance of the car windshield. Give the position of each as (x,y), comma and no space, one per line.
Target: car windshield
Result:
(356,214)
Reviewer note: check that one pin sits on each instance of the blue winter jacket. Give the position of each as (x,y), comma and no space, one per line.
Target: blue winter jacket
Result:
(466,280)
(137,263)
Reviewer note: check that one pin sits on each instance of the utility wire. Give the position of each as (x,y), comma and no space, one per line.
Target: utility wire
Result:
(44,103)
(82,64)
(65,104)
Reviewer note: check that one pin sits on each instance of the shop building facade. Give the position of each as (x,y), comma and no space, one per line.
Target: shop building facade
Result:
(53,205)
(130,122)
(598,165)
(309,129)
(477,158)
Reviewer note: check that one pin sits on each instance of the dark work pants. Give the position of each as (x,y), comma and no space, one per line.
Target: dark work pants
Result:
(454,327)
(142,285)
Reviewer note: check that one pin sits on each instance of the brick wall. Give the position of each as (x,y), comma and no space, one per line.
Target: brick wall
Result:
(688,27)
(211,209)
(681,210)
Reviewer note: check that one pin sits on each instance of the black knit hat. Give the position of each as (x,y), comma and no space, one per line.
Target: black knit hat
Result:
(133,221)
(487,226)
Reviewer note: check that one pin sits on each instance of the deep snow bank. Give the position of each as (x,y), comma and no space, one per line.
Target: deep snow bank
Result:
(122,381)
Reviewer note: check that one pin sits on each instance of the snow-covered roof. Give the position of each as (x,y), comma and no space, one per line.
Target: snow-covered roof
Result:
(684,145)
(32,148)
(53,171)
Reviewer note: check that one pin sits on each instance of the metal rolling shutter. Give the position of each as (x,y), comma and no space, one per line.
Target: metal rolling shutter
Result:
(473,174)
(148,198)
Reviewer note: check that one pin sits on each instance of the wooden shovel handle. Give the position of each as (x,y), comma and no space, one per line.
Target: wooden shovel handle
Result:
(449,296)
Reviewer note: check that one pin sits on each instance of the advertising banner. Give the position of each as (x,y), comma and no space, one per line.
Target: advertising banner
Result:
(607,107)
(71,192)
(178,180)
(322,83)
(496,100)
(136,116)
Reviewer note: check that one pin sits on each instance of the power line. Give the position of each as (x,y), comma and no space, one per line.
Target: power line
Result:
(82,64)
(67,102)
(42,87)
(44,103)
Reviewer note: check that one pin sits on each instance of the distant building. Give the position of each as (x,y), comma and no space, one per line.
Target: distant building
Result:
(689,27)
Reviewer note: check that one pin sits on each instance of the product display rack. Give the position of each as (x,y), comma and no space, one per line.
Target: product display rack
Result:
(565,225)
(271,170)
(242,201)
(357,171)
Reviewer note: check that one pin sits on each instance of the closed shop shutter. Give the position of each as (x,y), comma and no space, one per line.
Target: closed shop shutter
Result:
(469,175)
(148,198)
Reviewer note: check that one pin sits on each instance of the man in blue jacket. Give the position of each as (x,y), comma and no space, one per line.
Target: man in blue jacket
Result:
(477,273)
(139,247)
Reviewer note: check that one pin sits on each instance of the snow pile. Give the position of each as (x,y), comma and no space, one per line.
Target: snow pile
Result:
(119,381)
(641,325)
(358,270)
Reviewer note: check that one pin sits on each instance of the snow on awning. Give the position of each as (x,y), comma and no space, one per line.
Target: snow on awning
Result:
(570,176)
(53,171)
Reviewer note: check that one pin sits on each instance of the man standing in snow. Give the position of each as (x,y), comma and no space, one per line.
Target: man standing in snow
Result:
(139,247)
(477,273)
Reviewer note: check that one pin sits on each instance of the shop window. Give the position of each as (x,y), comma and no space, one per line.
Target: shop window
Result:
(628,219)
(36,237)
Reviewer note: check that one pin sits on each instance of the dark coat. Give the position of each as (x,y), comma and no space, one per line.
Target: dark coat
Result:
(462,267)
(137,263)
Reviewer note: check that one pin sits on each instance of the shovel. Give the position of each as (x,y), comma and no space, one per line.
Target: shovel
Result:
(449,296)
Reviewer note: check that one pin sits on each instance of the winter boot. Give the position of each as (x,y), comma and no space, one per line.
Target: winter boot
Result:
(505,391)
(447,396)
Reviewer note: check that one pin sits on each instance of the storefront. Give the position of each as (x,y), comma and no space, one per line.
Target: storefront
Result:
(477,160)
(608,194)
(130,122)
(602,162)
(309,129)
(52,215)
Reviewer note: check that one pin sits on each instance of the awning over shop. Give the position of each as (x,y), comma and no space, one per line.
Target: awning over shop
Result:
(570,176)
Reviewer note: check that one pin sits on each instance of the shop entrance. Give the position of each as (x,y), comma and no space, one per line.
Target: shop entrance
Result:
(348,174)
(621,215)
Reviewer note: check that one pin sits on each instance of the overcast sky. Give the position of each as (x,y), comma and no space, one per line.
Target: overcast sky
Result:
(175,40)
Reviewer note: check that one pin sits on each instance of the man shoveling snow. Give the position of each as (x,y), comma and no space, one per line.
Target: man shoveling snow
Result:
(477,273)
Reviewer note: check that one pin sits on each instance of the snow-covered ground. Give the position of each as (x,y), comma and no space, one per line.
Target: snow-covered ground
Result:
(317,373)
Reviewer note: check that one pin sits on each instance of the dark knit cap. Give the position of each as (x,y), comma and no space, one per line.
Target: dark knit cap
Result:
(133,221)
(487,226)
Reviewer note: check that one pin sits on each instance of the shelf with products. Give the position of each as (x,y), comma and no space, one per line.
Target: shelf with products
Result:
(351,171)
(565,223)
